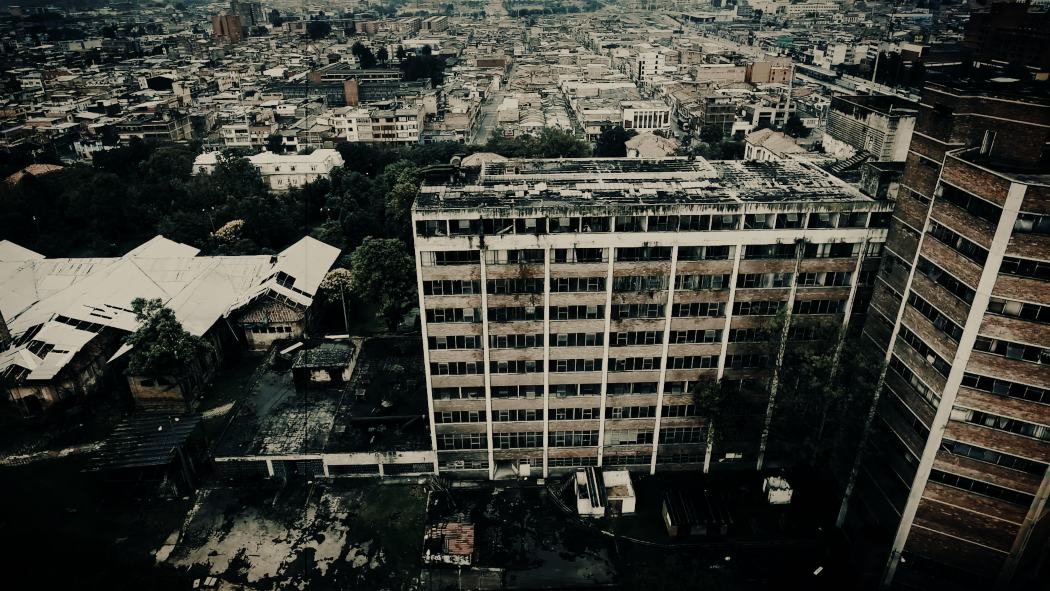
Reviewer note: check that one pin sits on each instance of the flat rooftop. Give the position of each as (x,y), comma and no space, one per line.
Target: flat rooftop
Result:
(619,182)
(383,407)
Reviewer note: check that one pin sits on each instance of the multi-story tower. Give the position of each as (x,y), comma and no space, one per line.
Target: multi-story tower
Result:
(569,305)
(957,484)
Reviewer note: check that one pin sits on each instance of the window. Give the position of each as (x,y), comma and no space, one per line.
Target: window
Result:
(457,368)
(640,283)
(574,365)
(450,441)
(1019,309)
(451,257)
(925,351)
(751,361)
(981,488)
(574,284)
(823,220)
(763,280)
(572,439)
(580,255)
(1019,351)
(927,393)
(757,308)
(454,342)
(620,311)
(618,389)
(432,228)
(993,457)
(701,282)
(961,245)
(460,416)
(627,339)
(682,435)
(451,288)
(1026,268)
(663,223)
(939,320)
(504,416)
(515,314)
(564,225)
(675,411)
(1031,223)
(635,364)
(705,253)
(574,414)
(439,315)
(644,254)
(515,366)
(939,276)
(628,436)
(517,440)
(577,312)
(529,256)
(629,224)
(682,337)
(769,251)
(819,307)
(578,339)
(1005,388)
(759,221)
(514,286)
(514,341)
(857,219)
(987,143)
(979,207)
(693,362)
(831,250)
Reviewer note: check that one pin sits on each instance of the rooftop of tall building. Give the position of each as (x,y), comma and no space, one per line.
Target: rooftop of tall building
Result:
(619,182)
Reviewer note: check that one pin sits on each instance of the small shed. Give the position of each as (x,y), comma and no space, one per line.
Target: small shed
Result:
(328,366)
(696,514)
(152,454)
(599,493)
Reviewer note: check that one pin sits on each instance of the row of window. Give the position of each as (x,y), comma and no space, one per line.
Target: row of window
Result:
(1006,388)
(1011,350)
(925,351)
(924,391)
(653,223)
(635,254)
(958,243)
(1019,309)
(1000,423)
(939,320)
(982,488)
(946,280)
(592,389)
(993,457)
(646,283)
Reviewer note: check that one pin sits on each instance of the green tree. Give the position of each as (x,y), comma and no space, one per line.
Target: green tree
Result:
(711,134)
(364,55)
(318,29)
(427,50)
(400,53)
(275,143)
(161,348)
(339,282)
(384,274)
(795,128)
(383,55)
(555,143)
(610,143)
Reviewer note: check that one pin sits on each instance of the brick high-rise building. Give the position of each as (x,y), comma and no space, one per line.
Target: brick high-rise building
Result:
(227,28)
(955,491)
(1010,33)
(569,305)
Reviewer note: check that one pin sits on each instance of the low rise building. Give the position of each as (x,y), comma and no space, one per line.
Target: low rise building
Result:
(282,171)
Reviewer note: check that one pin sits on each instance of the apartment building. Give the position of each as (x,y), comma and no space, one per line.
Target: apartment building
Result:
(877,126)
(569,305)
(953,493)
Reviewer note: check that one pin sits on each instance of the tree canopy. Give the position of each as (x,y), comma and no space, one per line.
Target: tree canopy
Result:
(610,143)
(384,274)
(795,128)
(160,346)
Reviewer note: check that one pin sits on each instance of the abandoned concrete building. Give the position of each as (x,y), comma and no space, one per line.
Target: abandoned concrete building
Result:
(67,317)
(569,304)
(957,491)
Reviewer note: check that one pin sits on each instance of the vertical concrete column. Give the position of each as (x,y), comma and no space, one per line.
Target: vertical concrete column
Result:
(663,360)
(546,350)
(737,255)
(269,467)
(606,362)
(426,354)
(962,356)
(488,377)
(856,275)
(801,247)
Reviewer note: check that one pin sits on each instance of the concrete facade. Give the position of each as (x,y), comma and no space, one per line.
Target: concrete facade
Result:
(955,486)
(566,317)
